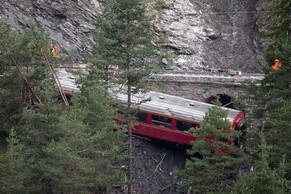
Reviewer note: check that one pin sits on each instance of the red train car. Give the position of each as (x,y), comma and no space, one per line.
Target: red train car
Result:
(167,117)
(162,116)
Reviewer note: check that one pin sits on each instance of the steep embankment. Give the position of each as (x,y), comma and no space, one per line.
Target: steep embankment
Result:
(198,34)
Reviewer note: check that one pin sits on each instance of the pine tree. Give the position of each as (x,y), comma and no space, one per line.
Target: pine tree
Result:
(23,78)
(217,166)
(9,81)
(22,70)
(73,149)
(14,170)
(263,173)
(59,151)
(56,159)
(263,179)
(281,16)
(83,160)
(123,38)
(278,132)
(97,113)
(37,129)
(273,93)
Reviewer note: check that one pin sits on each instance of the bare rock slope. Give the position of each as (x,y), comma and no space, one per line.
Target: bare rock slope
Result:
(70,23)
(199,34)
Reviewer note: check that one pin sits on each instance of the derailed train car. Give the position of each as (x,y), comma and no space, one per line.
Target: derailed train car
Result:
(167,117)
(162,116)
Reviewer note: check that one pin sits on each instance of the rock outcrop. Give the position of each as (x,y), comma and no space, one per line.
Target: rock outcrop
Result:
(198,34)
(70,23)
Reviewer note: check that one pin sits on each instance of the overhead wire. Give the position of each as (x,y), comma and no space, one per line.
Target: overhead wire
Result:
(243,12)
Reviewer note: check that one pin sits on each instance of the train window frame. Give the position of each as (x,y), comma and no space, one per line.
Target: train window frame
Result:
(161,121)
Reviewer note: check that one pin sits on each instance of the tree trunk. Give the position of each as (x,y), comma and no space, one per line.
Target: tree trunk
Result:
(129,176)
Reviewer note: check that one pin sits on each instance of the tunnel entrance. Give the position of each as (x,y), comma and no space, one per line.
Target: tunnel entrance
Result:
(224,99)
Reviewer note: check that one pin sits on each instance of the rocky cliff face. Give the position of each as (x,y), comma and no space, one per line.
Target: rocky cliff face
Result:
(198,34)
(70,23)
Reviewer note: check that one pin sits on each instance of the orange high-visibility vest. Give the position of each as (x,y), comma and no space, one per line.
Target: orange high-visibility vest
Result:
(277,64)
(55,53)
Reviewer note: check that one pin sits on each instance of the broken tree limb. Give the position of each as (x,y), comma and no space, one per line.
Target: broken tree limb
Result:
(25,80)
(157,167)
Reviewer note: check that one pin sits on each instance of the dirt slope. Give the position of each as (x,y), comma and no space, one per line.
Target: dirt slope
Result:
(153,165)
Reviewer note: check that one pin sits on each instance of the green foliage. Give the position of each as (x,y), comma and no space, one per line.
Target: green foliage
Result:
(59,150)
(123,38)
(160,5)
(217,167)
(13,166)
(272,97)
(281,14)
(241,185)
(93,108)
(19,52)
(278,50)
(73,149)
(279,131)
(263,179)
(263,173)
(81,161)
(9,80)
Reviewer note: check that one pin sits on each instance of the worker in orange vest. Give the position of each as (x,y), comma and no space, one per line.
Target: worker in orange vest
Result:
(54,51)
(277,64)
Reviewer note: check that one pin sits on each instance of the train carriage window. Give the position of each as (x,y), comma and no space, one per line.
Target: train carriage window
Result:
(142,117)
(184,126)
(161,121)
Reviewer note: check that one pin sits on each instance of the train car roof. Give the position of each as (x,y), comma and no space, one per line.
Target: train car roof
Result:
(67,81)
(172,106)
(155,102)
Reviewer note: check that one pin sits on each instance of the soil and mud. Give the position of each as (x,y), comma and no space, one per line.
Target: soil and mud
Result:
(153,165)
